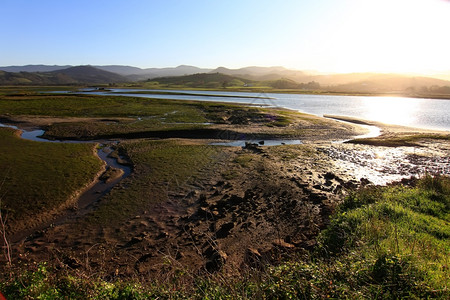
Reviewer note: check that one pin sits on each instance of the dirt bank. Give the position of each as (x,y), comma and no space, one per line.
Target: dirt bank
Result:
(247,207)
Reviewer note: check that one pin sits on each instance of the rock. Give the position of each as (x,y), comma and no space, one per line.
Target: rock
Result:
(261,142)
(253,147)
(249,194)
(317,197)
(329,176)
(337,189)
(203,213)
(134,240)
(235,200)
(351,184)
(216,259)
(365,181)
(247,224)
(202,200)
(224,230)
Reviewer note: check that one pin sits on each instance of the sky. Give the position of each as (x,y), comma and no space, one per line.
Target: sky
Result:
(403,36)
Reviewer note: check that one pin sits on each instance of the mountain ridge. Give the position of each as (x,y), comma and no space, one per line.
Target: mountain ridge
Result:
(68,76)
(277,77)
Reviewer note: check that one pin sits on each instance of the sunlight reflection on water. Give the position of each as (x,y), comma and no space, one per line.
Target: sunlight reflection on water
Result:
(382,165)
(393,110)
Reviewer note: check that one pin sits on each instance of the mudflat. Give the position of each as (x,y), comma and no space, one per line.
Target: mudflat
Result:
(207,208)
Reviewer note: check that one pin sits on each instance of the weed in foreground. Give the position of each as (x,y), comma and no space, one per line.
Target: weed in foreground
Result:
(392,246)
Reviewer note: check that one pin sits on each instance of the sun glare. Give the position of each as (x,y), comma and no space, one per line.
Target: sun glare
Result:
(392,36)
(392,110)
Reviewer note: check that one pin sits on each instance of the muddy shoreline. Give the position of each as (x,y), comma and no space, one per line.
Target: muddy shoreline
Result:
(79,203)
(271,202)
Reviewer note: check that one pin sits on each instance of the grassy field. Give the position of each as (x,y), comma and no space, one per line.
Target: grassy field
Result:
(39,177)
(160,167)
(383,243)
(118,116)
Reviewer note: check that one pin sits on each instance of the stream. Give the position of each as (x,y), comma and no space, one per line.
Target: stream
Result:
(91,194)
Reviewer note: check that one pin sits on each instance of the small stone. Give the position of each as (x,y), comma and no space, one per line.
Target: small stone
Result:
(224,230)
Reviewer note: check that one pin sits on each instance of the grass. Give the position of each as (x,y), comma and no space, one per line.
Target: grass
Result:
(76,105)
(38,177)
(160,167)
(397,237)
(382,243)
(110,116)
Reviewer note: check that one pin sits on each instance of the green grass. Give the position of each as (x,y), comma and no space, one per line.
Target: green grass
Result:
(38,177)
(382,243)
(118,115)
(398,237)
(160,167)
(76,105)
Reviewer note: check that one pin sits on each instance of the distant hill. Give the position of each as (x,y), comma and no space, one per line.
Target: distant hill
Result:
(275,77)
(122,70)
(266,73)
(150,73)
(91,75)
(33,68)
(373,83)
(69,76)
(133,73)
(203,80)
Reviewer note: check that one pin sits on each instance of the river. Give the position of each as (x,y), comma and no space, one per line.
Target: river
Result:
(412,112)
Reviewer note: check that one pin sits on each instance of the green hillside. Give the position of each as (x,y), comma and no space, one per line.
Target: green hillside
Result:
(70,76)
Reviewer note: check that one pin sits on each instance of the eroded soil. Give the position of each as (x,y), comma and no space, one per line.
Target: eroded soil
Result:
(250,207)
(245,208)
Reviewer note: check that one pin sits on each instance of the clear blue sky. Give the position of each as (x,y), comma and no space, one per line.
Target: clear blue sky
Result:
(325,35)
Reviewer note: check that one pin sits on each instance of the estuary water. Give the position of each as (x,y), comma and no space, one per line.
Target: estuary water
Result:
(413,112)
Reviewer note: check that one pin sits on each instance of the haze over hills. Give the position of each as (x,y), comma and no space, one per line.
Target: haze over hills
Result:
(134,73)
(66,76)
(275,77)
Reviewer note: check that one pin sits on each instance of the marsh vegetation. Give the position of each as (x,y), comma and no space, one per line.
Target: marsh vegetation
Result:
(195,220)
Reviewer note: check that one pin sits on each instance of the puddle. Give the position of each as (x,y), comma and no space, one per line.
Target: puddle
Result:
(382,165)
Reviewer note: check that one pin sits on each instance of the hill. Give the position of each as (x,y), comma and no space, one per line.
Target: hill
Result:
(91,75)
(133,73)
(368,83)
(189,76)
(68,76)
(182,70)
(266,73)
(203,80)
(33,68)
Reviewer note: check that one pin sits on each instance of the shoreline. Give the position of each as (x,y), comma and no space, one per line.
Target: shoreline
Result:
(386,128)
(185,193)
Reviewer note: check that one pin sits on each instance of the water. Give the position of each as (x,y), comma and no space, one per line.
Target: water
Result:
(412,112)
(100,188)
